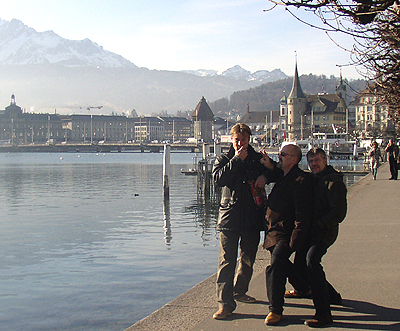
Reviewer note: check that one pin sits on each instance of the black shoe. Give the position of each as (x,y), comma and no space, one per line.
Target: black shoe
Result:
(318,321)
(336,299)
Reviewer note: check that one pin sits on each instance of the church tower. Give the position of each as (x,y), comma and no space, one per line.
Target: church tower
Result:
(341,89)
(297,102)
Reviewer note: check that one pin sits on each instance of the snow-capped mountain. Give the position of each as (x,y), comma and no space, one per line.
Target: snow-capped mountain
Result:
(201,72)
(20,44)
(238,73)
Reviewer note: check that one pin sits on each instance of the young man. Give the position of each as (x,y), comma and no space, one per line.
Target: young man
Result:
(240,220)
(289,214)
(330,207)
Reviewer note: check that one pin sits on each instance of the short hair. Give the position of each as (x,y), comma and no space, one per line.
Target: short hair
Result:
(297,151)
(241,128)
(314,151)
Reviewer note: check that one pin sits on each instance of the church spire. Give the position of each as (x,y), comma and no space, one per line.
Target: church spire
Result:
(296,91)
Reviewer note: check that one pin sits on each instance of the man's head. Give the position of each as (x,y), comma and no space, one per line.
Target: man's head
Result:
(289,156)
(317,160)
(240,136)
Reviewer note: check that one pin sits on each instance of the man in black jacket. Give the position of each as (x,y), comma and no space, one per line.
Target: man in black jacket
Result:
(289,214)
(240,220)
(392,151)
(330,207)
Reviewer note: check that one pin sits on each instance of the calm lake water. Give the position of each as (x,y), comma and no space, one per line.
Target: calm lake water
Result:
(87,241)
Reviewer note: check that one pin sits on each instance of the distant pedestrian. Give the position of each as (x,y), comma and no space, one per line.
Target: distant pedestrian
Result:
(375,158)
(392,151)
(241,218)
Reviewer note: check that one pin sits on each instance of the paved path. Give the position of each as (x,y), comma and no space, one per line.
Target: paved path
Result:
(363,265)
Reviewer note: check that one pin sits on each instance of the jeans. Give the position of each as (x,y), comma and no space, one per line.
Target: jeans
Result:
(308,264)
(229,282)
(276,275)
(374,172)
(393,167)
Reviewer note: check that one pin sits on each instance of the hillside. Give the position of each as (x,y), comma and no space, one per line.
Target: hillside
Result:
(268,96)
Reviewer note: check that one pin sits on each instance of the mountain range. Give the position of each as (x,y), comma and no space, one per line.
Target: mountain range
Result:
(47,72)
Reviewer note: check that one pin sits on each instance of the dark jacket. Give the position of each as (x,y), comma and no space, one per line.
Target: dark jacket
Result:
(289,209)
(238,210)
(330,206)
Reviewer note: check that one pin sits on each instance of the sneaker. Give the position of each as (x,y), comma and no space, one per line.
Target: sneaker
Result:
(245,298)
(319,321)
(272,319)
(222,313)
(297,294)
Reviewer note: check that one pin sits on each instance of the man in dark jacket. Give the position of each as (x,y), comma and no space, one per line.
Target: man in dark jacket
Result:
(240,220)
(289,214)
(392,151)
(330,207)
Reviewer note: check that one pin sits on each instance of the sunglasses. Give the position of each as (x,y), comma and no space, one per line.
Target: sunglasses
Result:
(283,154)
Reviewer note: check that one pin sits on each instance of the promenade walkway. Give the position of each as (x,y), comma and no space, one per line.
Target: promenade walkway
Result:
(363,265)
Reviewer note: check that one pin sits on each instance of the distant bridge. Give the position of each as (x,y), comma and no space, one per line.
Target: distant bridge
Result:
(105,147)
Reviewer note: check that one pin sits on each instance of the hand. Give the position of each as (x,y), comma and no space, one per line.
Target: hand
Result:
(242,152)
(266,161)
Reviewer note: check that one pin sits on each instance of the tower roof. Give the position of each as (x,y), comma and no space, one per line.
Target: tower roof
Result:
(296,91)
(203,111)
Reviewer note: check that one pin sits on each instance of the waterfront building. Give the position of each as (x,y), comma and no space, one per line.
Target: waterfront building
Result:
(306,114)
(177,128)
(148,129)
(283,118)
(263,124)
(222,127)
(372,114)
(325,113)
(95,128)
(203,120)
(19,127)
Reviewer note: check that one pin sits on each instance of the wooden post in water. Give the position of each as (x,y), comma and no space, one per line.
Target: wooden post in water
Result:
(217,149)
(166,170)
(355,152)
(206,150)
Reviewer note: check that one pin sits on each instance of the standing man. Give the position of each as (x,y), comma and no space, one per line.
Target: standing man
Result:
(240,220)
(330,207)
(289,214)
(393,153)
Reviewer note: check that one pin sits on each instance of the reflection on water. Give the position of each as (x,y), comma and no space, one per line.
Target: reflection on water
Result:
(167,222)
(206,207)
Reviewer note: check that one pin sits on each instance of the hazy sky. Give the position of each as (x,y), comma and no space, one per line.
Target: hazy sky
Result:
(190,34)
